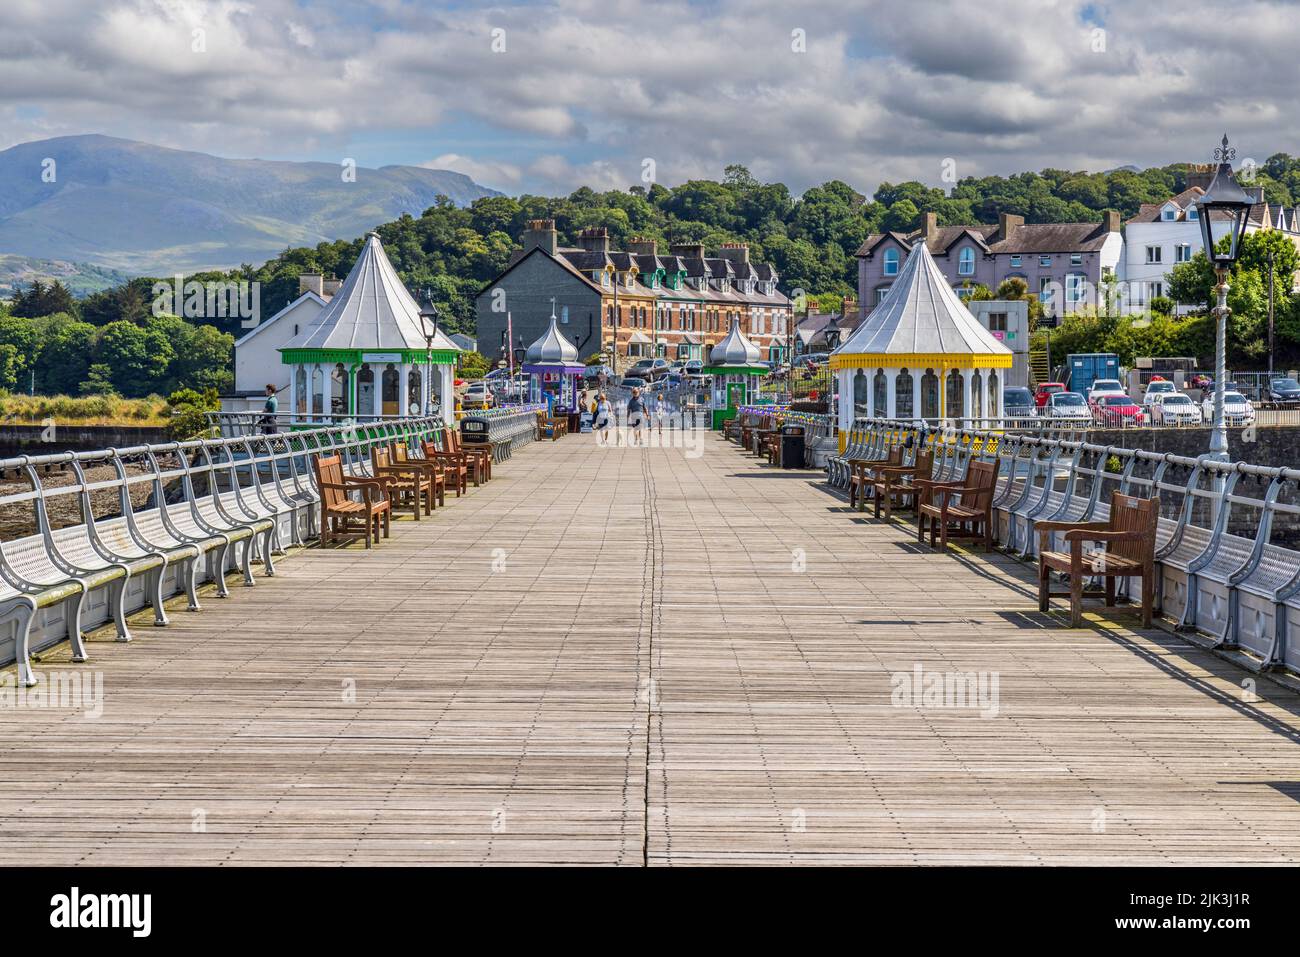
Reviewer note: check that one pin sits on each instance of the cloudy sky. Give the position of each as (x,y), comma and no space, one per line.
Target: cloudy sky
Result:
(545,97)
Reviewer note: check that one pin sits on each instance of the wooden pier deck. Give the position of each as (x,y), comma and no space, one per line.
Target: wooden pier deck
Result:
(629,656)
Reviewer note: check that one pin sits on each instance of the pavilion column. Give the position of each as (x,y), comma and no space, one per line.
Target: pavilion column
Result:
(324,392)
(351,409)
(917,376)
(293,393)
(403,389)
(966,409)
(446,398)
(846,400)
(891,401)
(377,389)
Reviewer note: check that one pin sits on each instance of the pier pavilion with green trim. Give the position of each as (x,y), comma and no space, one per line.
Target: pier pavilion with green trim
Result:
(370,352)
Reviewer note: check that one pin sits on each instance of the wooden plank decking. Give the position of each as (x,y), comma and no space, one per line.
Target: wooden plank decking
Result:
(632,656)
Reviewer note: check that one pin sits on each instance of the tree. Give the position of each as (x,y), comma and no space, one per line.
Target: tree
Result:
(43,300)
(137,357)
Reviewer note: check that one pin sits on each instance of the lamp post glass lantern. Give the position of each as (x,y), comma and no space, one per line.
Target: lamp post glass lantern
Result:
(1223,202)
(429,326)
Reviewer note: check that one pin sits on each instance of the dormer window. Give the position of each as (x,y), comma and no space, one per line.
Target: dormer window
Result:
(891,262)
(603,277)
(966,262)
(1192,213)
(1170,214)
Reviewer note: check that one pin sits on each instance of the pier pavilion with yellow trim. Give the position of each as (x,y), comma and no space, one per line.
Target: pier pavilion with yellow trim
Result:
(920,354)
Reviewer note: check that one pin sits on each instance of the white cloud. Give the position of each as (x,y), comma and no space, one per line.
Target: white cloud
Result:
(586,89)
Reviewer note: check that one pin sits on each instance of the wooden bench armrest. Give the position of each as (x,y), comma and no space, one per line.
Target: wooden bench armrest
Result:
(1088,535)
(1045,527)
(364,486)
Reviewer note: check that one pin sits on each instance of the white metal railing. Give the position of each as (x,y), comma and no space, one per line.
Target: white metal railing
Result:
(107,532)
(1227,568)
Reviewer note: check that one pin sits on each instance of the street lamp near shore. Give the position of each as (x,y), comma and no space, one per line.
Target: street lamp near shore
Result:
(1226,203)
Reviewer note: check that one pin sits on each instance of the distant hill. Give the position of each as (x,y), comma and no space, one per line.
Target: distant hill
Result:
(145,209)
(80,278)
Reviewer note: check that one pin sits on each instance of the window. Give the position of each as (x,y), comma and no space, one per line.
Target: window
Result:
(1156,289)
(1153,254)
(966,262)
(1015,261)
(1076,259)
(881,293)
(1169,214)
(1193,213)
(1074,286)
(1044,288)
(1183,253)
(1045,261)
(891,262)
(564,314)
(997,321)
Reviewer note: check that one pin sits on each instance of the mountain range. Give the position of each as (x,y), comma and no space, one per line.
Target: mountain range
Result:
(137,208)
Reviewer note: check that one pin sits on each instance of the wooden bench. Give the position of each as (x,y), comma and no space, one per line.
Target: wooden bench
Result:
(339,512)
(411,484)
(479,459)
(439,470)
(862,474)
(969,516)
(1128,540)
(550,427)
(897,483)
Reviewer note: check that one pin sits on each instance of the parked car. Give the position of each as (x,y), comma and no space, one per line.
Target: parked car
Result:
(649,369)
(1018,403)
(477,396)
(1174,408)
(672,380)
(1157,388)
(1284,390)
(1237,409)
(632,382)
(1102,387)
(1046,390)
(1117,411)
(1067,405)
(694,368)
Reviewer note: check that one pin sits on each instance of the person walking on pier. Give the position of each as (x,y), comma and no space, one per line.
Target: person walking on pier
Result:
(602,417)
(269,410)
(636,416)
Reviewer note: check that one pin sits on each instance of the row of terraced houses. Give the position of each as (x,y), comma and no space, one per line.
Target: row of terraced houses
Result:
(641,300)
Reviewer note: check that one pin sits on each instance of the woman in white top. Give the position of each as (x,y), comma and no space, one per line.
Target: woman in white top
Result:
(603,415)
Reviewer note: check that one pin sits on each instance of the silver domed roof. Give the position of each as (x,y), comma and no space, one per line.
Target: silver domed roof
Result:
(552,349)
(735,350)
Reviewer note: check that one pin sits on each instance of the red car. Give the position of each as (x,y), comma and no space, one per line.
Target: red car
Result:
(1117,411)
(1045,391)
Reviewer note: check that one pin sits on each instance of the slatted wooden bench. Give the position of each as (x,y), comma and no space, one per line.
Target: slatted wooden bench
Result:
(969,516)
(340,512)
(1128,540)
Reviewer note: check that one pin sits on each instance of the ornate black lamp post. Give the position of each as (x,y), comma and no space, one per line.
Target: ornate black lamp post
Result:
(1224,203)
(429,326)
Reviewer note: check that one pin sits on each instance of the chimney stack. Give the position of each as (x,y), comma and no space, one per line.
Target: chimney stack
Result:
(687,250)
(929,226)
(594,239)
(540,232)
(1110,221)
(311,282)
(1006,223)
(1200,174)
(735,253)
(641,246)
(332,286)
